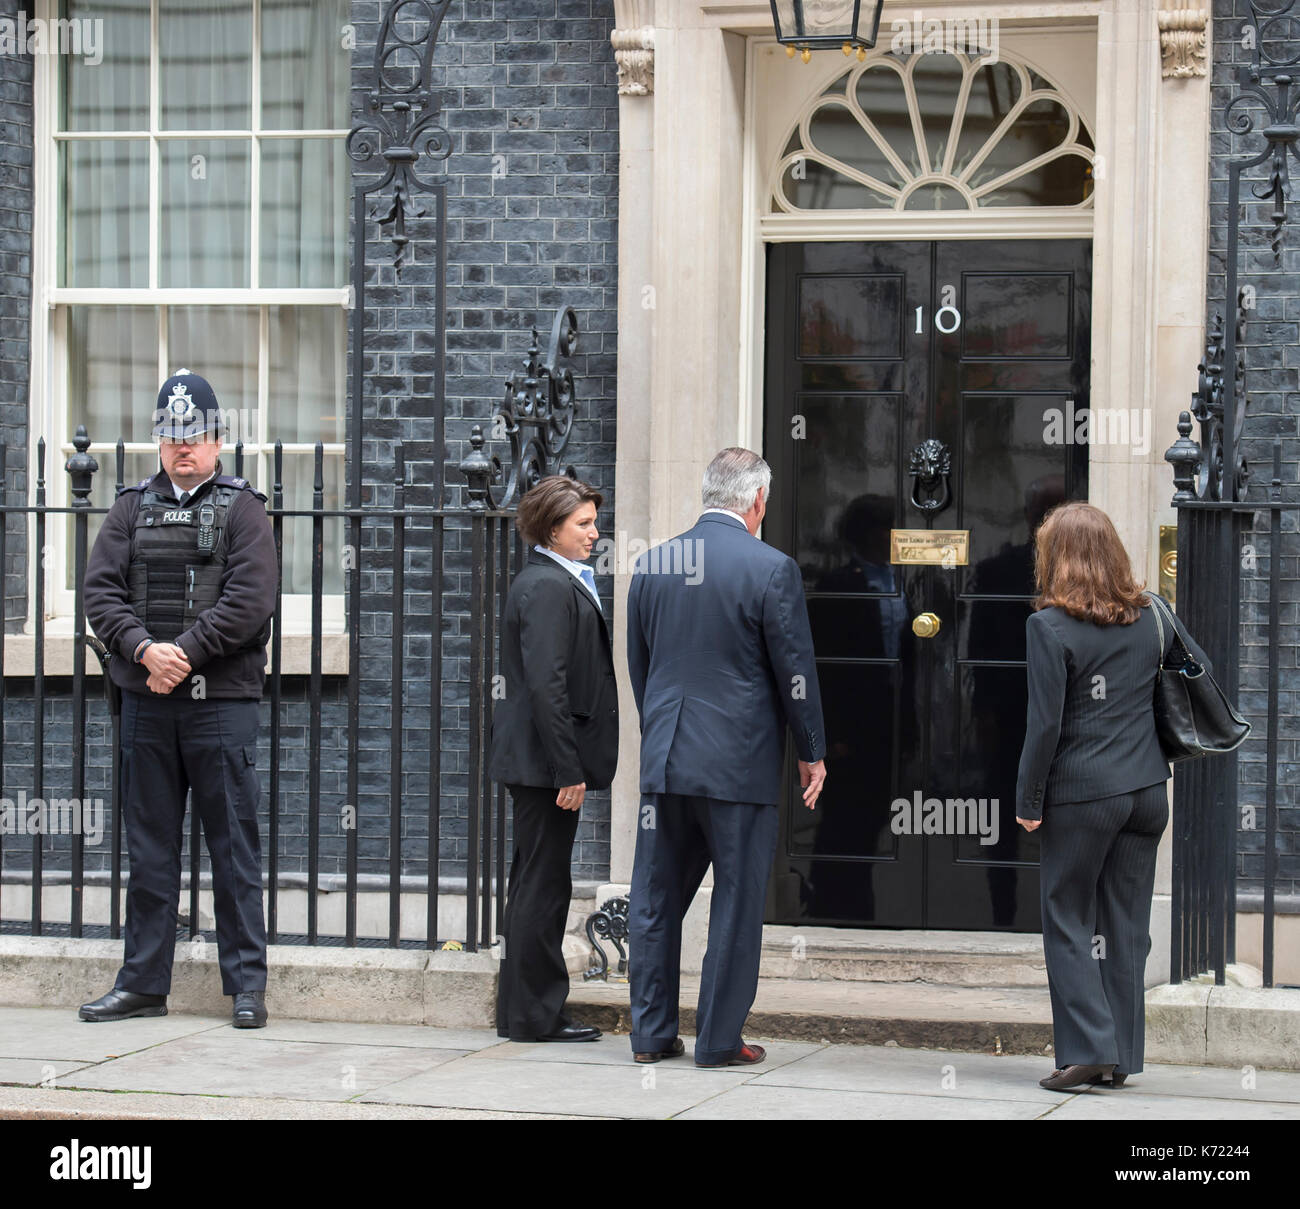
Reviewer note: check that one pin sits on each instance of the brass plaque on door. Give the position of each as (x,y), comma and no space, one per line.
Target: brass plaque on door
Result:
(930,547)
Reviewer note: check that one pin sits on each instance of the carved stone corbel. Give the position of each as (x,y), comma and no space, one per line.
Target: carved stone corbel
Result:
(633,40)
(1182,40)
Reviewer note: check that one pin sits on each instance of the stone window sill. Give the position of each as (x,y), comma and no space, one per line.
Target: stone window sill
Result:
(295,655)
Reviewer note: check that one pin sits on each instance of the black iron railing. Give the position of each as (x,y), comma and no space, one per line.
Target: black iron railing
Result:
(536,418)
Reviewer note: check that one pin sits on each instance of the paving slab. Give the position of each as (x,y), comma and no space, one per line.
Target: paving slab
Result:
(1212,1082)
(916,1072)
(35,1071)
(38,1104)
(613,1050)
(586,1089)
(757,1102)
(1132,1105)
(418,1036)
(234,1064)
(56,1033)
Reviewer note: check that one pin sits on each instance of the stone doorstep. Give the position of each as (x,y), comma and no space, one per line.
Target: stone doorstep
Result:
(1011,1020)
(446,989)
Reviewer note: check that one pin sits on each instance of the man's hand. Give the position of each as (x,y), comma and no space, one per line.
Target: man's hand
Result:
(812,777)
(1030,824)
(570,797)
(167,665)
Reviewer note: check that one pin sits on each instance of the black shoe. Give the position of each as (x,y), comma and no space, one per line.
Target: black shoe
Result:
(572,1032)
(1075,1076)
(121,1005)
(676,1050)
(1116,1080)
(249,1010)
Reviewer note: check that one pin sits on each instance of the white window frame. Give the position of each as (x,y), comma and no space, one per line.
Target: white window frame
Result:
(47,409)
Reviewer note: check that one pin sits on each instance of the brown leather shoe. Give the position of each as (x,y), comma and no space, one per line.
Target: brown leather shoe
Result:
(1075,1076)
(746,1055)
(1116,1080)
(676,1050)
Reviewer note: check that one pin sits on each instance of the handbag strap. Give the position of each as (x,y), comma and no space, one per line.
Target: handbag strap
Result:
(1159,603)
(1160,631)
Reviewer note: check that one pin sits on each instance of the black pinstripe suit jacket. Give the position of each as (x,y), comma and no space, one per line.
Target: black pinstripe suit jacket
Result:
(1090,728)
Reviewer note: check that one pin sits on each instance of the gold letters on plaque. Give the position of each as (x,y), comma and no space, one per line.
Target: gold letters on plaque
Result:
(930,547)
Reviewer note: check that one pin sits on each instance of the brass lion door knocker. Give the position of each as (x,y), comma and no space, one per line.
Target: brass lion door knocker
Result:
(930,469)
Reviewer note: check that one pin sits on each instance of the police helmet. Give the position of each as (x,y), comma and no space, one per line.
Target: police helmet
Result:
(187,408)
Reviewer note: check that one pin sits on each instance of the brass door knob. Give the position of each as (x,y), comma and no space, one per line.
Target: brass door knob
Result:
(925,625)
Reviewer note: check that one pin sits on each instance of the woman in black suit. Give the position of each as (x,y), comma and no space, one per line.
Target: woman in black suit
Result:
(554,736)
(1093,776)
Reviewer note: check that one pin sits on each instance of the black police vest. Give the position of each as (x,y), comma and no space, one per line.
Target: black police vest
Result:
(180,556)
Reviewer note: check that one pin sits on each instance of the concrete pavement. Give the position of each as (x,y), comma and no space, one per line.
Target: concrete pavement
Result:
(191,1066)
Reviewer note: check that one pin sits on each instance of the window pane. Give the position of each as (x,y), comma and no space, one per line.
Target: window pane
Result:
(220,344)
(304,213)
(112,371)
(113,93)
(206,56)
(205,213)
(308,369)
(105,190)
(299,475)
(305,67)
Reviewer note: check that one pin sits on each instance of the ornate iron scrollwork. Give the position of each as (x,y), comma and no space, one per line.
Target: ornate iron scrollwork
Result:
(931,469)
(536,417)
(404,119)
(609,923)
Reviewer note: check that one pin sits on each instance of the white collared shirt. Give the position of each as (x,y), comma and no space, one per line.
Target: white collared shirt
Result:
(727,512)
(575,569)
(178,490)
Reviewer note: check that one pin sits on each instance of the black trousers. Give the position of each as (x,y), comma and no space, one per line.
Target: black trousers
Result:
(534,982)
(172,744)
(1098,872)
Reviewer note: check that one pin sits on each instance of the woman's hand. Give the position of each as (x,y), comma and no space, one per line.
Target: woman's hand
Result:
(570,796)
(1030,824)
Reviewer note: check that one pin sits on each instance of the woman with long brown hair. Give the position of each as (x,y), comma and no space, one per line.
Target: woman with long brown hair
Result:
(1092,776)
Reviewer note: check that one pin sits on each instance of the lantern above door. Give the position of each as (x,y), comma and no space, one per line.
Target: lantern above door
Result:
(808,25)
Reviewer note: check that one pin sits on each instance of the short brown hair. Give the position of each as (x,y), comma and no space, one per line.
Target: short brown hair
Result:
(1081,566)
(550,503)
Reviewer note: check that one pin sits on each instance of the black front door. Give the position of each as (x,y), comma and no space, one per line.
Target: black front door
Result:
(919,387)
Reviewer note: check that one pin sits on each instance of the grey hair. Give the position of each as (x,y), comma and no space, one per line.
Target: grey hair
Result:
(734,478)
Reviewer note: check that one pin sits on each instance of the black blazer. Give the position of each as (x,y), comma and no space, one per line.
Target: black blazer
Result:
(1090,728)
(557,723)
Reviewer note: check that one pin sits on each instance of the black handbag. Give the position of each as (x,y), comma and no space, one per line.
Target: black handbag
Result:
(1193,717)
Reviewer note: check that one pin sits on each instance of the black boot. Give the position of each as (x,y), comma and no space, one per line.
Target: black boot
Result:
(249,1010)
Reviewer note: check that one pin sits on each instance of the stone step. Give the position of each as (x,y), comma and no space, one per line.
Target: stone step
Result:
(958,959)
(914,1015)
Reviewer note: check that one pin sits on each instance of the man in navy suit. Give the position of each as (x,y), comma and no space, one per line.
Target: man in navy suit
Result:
(721,659)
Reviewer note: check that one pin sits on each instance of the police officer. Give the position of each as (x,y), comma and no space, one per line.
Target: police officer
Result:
(180,588)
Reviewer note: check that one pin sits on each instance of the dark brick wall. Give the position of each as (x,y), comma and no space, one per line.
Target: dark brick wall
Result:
(15,306)
(1272,356)
(529,95)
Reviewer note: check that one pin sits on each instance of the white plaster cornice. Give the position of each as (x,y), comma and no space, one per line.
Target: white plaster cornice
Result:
(1182,39)
(633,40)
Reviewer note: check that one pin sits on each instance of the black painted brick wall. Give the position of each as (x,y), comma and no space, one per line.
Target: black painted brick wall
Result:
(529,96)
(1272,356)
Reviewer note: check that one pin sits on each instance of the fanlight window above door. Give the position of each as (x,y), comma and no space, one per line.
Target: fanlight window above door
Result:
(935,132)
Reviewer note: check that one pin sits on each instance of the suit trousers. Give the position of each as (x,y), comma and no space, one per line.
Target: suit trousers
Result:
(534,981)
(1097,876)
(170,745)
(677,839)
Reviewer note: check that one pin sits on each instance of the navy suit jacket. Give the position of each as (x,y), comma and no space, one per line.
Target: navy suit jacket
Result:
(721,658)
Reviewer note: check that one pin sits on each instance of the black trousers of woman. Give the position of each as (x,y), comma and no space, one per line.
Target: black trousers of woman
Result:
(1098,872)
(534,981)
